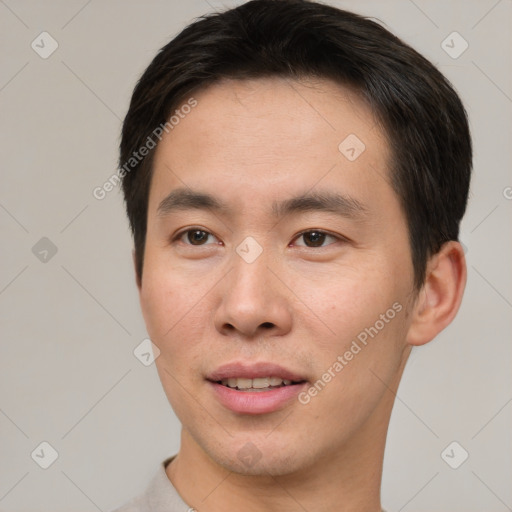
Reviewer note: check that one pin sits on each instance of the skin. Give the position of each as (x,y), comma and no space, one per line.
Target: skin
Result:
(250,144)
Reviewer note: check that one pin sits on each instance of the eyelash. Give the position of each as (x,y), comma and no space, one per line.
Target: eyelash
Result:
(337,238)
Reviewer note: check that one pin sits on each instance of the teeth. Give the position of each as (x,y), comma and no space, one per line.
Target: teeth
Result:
(258,383)
(262,382)
(244,383)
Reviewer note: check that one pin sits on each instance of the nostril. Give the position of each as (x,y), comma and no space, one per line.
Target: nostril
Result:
(267,325)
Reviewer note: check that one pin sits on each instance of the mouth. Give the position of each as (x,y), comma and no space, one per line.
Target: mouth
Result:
(259,384)
(259,388)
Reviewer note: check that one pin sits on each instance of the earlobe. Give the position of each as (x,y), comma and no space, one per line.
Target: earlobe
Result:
(441,295)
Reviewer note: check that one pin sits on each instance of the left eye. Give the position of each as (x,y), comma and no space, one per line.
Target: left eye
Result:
(315,239)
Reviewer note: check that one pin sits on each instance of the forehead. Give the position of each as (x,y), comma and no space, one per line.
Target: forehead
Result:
(263,137)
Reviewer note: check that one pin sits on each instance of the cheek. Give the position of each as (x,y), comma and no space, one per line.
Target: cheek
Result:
(174,315)
(365,315)
(167,295)
(178,312)
(354,371)
(345,306)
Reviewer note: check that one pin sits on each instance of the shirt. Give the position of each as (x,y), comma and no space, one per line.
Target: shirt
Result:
(160,496)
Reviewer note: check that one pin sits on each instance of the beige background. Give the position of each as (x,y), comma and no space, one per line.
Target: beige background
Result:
(68,375)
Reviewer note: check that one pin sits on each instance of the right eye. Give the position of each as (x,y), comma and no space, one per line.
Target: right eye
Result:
(195,237)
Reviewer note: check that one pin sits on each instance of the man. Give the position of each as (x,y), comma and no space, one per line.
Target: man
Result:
(294,177)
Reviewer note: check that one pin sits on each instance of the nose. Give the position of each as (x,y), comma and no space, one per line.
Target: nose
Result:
(254,302)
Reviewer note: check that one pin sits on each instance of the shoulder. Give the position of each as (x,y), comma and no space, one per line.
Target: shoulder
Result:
(159,495)
(136,504)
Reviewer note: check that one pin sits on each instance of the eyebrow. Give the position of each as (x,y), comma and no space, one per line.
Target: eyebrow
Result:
(332,202)
(187,199)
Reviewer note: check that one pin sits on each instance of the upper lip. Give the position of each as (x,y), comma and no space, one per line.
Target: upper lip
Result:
(253,371)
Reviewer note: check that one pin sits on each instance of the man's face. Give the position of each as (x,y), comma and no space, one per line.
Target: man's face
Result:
(272,254)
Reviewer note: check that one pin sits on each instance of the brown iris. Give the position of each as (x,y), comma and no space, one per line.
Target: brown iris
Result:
(314,238)
(197,236)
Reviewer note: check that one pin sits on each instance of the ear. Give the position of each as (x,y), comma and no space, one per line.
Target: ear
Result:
(441,294)
(137,276)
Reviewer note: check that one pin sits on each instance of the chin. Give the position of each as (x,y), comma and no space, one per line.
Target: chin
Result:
(257,455)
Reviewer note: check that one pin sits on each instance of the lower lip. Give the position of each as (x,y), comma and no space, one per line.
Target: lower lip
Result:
(256,402)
